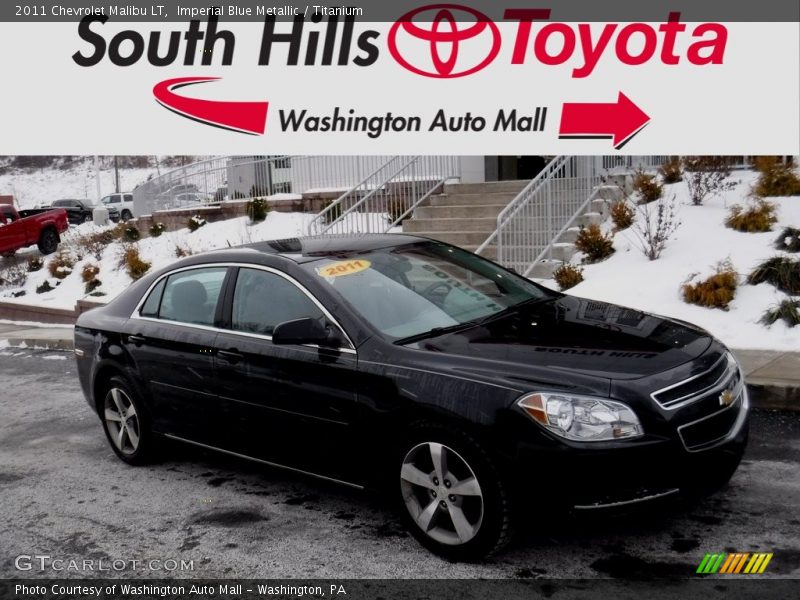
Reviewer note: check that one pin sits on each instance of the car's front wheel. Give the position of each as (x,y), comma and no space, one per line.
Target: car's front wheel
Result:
(125,423)
(126,215)
(453,499)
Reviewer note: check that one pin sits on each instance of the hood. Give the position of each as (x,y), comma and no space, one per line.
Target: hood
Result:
(579,336)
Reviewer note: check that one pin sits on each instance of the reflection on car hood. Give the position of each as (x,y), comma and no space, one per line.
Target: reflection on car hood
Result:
(577,335)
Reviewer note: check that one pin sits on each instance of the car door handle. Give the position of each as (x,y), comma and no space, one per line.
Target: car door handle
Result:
(137,339)
(232,355)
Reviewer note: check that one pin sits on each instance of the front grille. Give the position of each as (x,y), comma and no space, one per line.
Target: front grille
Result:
(724,374)
(708,431)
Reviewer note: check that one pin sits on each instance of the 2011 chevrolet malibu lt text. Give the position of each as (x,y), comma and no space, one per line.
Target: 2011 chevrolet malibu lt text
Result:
(471,395)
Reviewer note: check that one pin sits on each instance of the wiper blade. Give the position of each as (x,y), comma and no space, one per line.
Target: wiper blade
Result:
(512,309)
(436,332)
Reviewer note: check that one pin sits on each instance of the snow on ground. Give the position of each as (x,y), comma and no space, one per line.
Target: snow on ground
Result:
(630,279)
(32,187)
(159,251)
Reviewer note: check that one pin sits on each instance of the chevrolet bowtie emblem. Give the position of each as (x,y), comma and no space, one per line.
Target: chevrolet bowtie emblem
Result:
(726,398)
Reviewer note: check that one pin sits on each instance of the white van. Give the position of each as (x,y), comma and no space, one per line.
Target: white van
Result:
(123,202)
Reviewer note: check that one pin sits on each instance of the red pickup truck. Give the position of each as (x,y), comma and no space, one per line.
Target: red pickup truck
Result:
(42,227)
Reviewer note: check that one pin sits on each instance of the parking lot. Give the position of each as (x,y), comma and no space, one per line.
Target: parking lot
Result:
(64,494)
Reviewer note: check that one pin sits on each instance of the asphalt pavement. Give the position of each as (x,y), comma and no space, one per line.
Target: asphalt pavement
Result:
(64,495)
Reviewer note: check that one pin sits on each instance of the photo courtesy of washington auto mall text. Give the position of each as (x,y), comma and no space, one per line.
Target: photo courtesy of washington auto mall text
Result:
(400,300)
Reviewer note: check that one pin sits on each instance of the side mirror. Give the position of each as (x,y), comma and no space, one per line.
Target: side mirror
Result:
(302,331)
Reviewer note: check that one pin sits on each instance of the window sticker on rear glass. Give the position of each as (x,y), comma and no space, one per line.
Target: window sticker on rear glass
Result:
(343,267)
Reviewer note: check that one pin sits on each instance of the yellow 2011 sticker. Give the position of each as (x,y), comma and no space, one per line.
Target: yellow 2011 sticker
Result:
(343,267)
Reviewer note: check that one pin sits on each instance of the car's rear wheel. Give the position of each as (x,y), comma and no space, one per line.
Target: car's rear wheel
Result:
(126,215)
(125,423)
(48,241)
(453,499)
(86,218)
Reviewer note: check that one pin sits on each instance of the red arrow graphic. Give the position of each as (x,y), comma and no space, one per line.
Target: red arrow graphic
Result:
(244,117)
(619,120)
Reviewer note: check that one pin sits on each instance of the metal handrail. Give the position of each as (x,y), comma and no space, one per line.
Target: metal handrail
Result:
(383,199)
(550,203)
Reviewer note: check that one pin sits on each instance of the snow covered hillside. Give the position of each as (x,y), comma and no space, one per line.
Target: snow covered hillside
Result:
(158,251)
(630,279)
(31,187)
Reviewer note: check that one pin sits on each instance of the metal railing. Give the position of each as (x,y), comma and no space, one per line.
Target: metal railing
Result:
(385,197)
(533,221)
(528,225)
(243,177)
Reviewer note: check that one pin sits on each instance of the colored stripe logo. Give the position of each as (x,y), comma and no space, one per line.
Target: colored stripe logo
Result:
(243,117)
(745,563)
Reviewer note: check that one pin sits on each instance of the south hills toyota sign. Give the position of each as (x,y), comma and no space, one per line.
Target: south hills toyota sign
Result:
(434,42)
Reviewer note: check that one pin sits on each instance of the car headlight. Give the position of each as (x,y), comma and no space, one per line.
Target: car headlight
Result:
(581,418)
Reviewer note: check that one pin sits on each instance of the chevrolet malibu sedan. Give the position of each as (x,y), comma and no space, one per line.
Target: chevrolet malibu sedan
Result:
(471,395)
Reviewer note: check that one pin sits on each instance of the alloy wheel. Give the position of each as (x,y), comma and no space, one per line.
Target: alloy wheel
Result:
(442,493)
(122,421)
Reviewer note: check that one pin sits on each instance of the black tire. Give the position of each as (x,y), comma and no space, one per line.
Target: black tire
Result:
(126,215)
(491,531)
(138,444)
(86,218)
(48,241)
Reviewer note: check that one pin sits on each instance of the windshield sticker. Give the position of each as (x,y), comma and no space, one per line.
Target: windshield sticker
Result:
(344,267)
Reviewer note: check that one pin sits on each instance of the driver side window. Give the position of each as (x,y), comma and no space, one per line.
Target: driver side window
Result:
(262,300)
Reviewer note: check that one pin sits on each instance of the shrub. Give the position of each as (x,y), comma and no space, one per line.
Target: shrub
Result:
(133,263)
(89,272)
(757,218)
(92,285)
(706,176)
(789,240)
(132,233)
(35,263)
(258,209)
(196,222)
(646,185)
(777,178)
(14,277)
(182,251)
(671,170)
(781,271)
(594,244)
(567,276)
(45,287)
(788,310)
(157,229)
(716,291)
(60,266)
(622,215)
(655,226)
(95,243)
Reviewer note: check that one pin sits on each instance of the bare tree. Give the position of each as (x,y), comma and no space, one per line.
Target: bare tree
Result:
(655,224)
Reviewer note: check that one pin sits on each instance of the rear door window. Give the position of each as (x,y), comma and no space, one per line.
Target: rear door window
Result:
(190,296)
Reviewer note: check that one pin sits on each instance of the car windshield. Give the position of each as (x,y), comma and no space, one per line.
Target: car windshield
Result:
(415,289)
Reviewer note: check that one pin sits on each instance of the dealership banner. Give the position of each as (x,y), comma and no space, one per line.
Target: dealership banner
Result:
(540,76)
(400,589)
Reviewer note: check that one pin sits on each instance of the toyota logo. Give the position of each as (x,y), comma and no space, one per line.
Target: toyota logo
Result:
(434,30)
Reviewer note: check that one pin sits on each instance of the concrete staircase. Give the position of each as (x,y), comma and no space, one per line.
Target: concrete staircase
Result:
(464,214)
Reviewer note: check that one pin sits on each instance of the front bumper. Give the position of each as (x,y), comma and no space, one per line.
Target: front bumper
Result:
(623,474)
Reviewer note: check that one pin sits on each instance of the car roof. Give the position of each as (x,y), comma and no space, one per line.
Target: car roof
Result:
(311,248)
